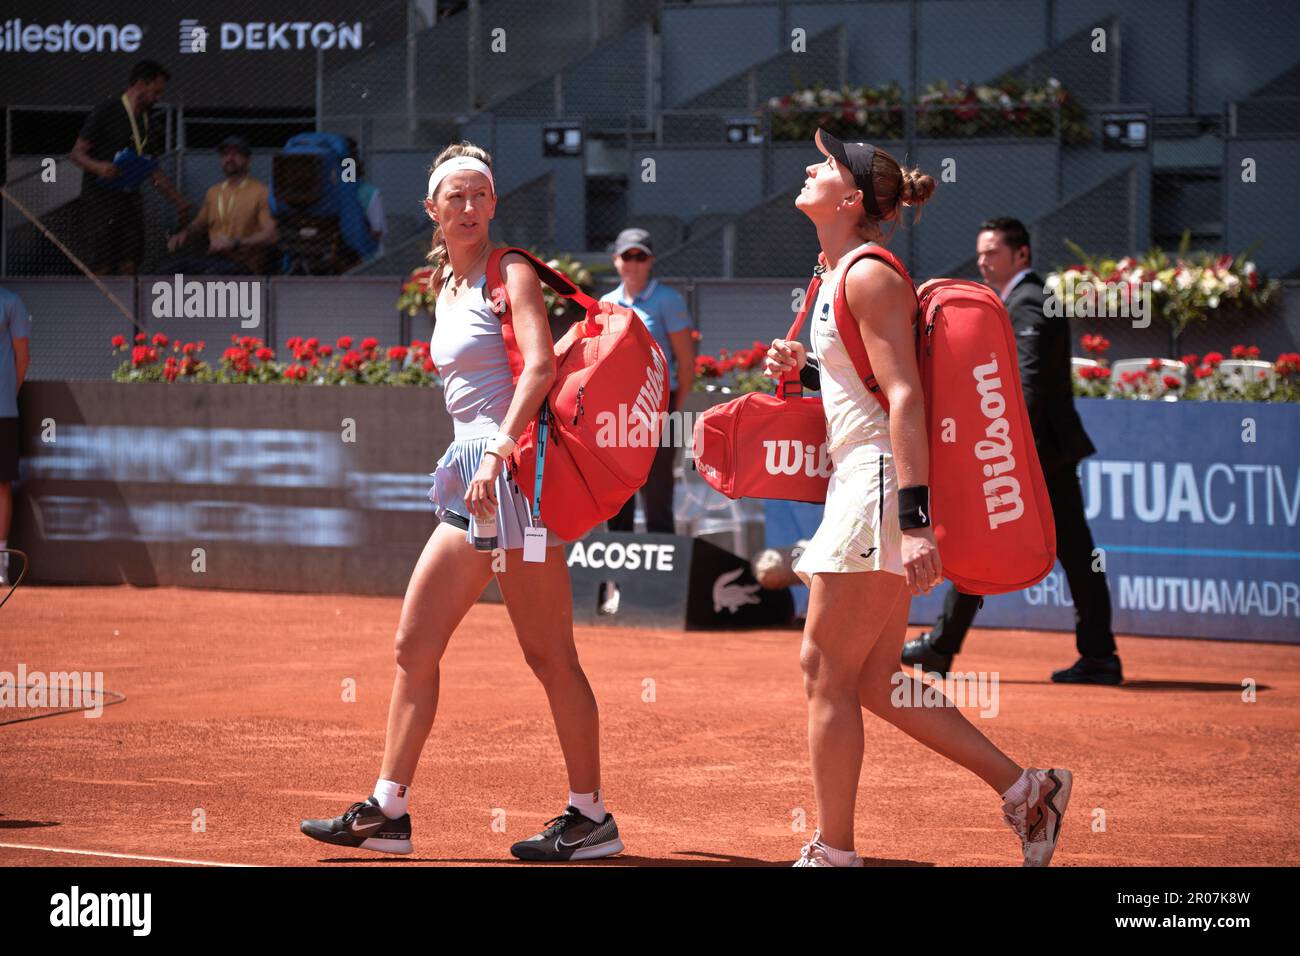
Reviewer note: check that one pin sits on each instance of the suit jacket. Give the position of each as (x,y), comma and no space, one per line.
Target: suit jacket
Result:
(1043,349)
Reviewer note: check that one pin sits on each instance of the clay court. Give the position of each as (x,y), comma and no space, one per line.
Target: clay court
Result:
(234,704)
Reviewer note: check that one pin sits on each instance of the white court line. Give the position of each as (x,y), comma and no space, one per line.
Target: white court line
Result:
(118,856)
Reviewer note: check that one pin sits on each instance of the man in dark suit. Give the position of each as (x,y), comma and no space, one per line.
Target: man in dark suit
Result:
(1043,346)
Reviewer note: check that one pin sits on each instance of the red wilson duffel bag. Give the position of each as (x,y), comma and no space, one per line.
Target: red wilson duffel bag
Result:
(767,446)
(990,511)
(606,364)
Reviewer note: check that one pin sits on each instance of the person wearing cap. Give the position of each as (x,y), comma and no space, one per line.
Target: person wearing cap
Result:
(237,217)
(664,312)
(875,547)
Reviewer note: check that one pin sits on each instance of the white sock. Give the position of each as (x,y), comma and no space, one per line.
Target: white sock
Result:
(839,857)
(1018,792)
(592,805)
(393,797)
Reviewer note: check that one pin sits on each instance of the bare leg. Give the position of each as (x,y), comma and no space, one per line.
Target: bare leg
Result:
(846,615)
(945,730)
(539,598)
(448,579)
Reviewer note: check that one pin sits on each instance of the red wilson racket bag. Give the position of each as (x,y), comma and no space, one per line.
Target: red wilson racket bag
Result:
(603,415)
(991,515)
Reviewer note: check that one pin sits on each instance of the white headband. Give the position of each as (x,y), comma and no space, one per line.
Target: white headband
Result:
(455,164)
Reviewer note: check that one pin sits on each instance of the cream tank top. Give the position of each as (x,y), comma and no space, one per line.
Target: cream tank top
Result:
(853,416)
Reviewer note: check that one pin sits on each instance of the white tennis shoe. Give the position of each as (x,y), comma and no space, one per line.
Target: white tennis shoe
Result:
(1037,821)
(814,854)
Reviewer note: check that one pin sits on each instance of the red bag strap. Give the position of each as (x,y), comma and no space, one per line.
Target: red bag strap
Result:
(499,300)
(847,326)
(790,386)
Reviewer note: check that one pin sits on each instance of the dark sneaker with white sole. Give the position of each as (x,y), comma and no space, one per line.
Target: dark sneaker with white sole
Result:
(363,826)
(571,836)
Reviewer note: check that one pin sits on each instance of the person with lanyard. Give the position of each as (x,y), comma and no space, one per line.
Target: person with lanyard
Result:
(236,214)
(485,527)
(112,218)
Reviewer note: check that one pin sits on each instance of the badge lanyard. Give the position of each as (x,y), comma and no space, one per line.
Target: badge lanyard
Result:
(135,131)
(542,428)
(221,205)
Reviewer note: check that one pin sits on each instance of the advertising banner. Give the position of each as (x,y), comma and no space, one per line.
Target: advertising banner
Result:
(1194,509)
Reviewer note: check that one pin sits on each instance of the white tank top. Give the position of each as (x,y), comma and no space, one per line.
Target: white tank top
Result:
(853,415)
(470,352)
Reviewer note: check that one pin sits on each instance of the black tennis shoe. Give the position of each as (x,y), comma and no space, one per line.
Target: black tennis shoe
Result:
(363,826)
(571,836)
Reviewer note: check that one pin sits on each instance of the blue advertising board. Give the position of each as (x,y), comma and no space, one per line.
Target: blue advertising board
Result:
(1195,508)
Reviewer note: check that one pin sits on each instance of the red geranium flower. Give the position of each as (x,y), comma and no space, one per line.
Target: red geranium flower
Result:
(265,354)
(1155,365)
(345,342)
(1094,343)
(141,338)
(119,341)
(1172,381)
(1212,359)
(1189,359)
(397,353)
(1203,371)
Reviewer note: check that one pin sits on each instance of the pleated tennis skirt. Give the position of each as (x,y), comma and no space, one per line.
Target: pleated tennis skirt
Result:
(859,528)
(451,478)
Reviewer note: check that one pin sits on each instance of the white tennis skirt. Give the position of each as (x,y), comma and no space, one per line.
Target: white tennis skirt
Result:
(859,529)
(451,478)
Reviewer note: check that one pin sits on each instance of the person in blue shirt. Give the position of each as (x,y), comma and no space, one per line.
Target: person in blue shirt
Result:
(664,313)
(15,330)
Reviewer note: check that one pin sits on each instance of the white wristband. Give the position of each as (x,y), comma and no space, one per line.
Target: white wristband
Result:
(501,445)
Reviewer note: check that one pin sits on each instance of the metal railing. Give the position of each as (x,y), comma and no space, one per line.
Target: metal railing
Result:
(169,111)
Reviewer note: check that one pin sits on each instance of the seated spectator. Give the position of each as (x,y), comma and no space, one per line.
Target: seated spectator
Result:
(237,218)
(371,203)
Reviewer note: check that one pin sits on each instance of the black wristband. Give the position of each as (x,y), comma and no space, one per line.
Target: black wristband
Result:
(914,507)
(810,375)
